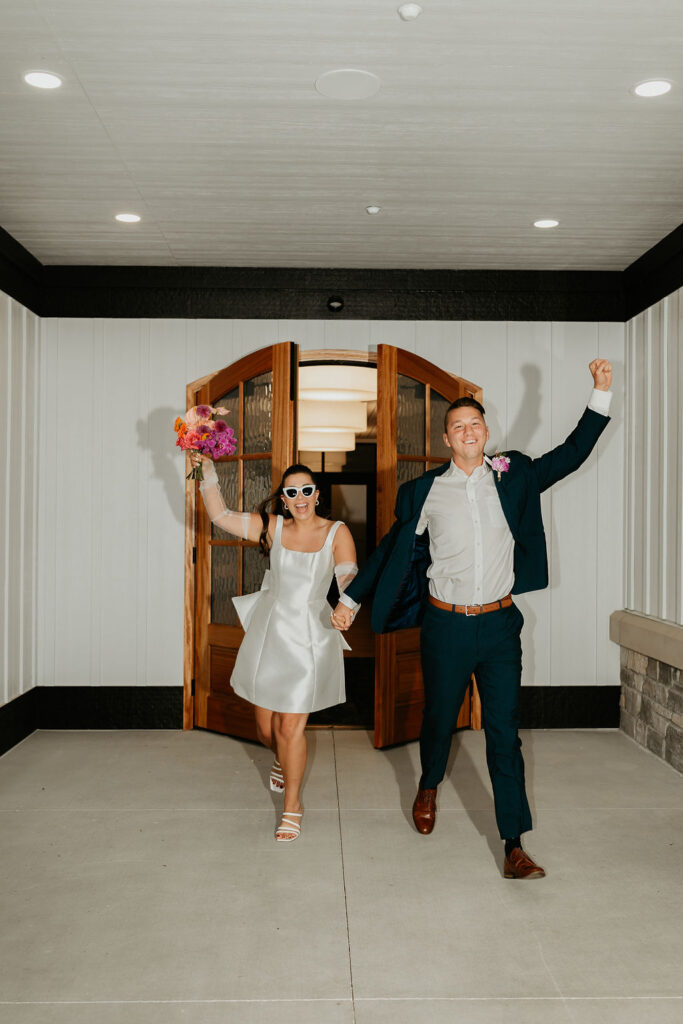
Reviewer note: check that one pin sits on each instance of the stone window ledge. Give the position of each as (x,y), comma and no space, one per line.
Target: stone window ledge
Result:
(655,638)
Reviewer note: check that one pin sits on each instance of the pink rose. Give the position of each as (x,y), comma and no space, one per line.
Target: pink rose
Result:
(500,463)
(197,415)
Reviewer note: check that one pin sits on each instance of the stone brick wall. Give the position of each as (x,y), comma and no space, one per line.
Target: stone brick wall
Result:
(652,705)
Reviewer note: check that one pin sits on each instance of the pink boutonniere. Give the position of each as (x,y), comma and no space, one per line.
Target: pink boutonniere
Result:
(500,463)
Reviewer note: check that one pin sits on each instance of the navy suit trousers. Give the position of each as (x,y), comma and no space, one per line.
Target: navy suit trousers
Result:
(453,646)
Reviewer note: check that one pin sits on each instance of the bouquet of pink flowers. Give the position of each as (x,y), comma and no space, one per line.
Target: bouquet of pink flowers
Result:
(201,432)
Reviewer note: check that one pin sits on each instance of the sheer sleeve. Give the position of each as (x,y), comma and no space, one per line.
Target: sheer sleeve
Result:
(344,573)
(237,523)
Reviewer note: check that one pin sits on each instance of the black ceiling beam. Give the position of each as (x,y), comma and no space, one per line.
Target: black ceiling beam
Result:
(657,273)
(284,293)
(21,274)
(300,293)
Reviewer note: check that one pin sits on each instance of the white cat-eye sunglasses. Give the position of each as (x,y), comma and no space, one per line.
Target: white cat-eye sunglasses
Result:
(291,492)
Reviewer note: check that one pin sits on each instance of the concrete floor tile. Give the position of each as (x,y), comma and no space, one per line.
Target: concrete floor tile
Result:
(389,778)
(422,909)
(253,1012)
(626,1011)
(564,768)
(462,1011)
(141,866)
(154,768)
(595,768)
(608,914)
(171,905)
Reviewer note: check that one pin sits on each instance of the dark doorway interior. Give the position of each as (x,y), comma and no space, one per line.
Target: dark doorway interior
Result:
(348,491)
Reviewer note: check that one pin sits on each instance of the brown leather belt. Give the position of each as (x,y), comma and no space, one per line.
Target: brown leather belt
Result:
(472,609)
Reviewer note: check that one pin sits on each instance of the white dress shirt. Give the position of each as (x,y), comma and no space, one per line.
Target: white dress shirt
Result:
(470,542)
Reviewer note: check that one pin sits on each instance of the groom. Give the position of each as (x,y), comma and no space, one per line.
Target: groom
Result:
(466,536)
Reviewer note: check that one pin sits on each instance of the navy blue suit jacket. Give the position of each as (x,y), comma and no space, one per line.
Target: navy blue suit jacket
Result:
(396,572)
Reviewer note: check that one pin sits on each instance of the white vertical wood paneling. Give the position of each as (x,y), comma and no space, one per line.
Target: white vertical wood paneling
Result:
(654,457)
(210,344)
(529,391)
(440,341)
(14,498)
(18,524)
(47,495)
(610,505)
(400,333)
(111,539)
(164,472)
(348,334)
(677,481)
(309,335)
(6,524)
(573,522)
(79,414)
(484,362)
(116,520)
(638,494)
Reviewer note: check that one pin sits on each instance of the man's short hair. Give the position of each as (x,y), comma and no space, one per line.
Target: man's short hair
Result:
(461,403)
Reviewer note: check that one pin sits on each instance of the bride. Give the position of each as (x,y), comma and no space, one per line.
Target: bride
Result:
(290,662)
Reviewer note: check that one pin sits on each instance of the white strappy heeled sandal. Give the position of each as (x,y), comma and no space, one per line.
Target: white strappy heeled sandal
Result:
(277,779)
(288,830)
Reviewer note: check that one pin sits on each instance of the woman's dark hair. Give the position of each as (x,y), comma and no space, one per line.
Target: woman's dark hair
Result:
(269,505)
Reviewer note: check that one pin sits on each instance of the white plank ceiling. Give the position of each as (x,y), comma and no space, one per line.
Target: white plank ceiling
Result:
(202,116)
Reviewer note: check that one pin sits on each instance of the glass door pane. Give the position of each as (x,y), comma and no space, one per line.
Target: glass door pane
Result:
(437,410)
(224,583)
(409,470)
(410,416)
(258,414)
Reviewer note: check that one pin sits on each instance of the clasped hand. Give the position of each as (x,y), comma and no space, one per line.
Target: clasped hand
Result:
(342,617)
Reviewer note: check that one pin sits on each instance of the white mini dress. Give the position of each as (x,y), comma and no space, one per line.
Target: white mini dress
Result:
(291,658)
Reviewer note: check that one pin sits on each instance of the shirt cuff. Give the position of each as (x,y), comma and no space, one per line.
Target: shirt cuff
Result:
(600,401)
(348,601)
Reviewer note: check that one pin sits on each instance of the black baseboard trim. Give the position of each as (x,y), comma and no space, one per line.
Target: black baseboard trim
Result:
(110,707)
(569,707)
(18,719)
(161,707)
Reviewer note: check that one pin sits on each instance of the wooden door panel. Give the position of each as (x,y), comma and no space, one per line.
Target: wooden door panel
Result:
(261,389)
(399,692)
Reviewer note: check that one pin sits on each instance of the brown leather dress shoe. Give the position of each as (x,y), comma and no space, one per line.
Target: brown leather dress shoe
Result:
(424,810)
(520,865)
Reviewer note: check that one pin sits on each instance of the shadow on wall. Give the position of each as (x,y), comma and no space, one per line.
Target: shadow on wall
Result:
(155,435)
(528,417)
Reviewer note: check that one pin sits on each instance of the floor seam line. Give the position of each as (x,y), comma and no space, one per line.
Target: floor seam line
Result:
(343,867)
(345,999)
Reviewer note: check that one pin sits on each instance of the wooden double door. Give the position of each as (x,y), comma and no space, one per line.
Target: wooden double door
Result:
(260,393)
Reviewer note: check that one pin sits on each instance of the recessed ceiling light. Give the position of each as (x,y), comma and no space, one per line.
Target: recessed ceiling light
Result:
(348,84)
(656,87)
(128,218)
(43,79)
(373,209)
(409,12)
(546,223)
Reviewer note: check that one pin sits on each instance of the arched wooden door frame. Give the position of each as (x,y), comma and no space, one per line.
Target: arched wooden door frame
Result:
(399,691)
(391,649)
(281,360)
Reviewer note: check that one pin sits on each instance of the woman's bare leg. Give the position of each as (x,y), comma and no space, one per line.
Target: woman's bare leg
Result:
(290,738)
(264,728)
